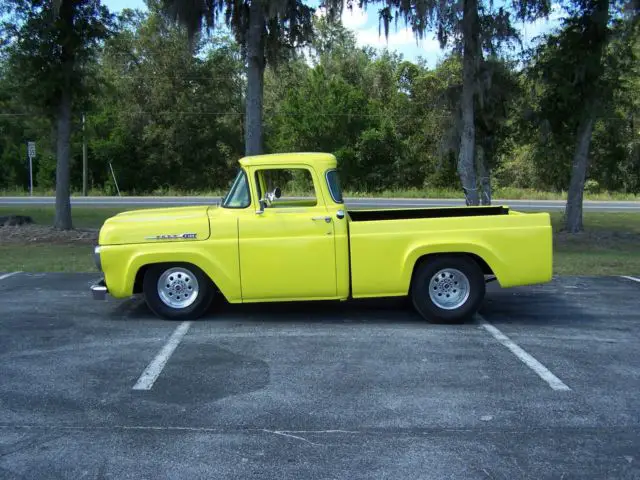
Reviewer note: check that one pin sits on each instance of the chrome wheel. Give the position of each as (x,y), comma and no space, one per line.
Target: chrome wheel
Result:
(449,288)
(178,287)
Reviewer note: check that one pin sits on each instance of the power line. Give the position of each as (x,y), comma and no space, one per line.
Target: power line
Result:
(267,114)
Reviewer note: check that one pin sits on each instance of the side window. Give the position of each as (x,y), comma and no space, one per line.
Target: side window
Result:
(238,196)
(295,184)
(333,181)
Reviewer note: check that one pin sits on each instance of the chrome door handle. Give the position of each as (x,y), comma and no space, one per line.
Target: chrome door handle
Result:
(326,219)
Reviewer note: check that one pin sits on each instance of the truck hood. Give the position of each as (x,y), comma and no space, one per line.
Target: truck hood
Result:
(177,224)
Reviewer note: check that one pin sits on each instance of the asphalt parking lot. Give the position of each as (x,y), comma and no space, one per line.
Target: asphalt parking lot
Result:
(545,384)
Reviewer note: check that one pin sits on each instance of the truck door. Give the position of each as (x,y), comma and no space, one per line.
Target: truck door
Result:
(287,251)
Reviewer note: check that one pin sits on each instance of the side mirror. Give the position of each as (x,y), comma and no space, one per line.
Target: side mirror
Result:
(263,205)
(269,197)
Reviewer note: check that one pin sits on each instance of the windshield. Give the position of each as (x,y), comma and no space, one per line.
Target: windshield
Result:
(238,196)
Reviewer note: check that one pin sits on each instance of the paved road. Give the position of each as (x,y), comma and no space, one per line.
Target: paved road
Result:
(548,205)
(321,391)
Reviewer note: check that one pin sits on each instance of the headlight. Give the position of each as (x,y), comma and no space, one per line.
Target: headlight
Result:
(96,258)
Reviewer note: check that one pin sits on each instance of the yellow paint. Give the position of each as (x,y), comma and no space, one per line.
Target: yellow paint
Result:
(288,251)
(136,225)
(516,247)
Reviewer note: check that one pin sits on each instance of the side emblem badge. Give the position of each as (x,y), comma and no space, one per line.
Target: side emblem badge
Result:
(179,236)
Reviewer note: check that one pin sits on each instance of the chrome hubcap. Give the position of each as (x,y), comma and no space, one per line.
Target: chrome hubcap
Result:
(178,287)
(449,288)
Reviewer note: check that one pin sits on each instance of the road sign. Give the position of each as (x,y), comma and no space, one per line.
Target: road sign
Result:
(31,150)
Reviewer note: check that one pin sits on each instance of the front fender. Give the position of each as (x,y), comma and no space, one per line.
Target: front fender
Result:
(121,263)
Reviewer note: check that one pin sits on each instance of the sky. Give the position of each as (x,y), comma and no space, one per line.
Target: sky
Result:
(365,26)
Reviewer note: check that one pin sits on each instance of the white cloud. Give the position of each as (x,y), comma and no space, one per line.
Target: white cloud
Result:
(401,38)
(365,27)
(352,19)
(542,26)
(355,18)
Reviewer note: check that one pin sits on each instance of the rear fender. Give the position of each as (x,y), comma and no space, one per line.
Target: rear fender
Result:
(493,261)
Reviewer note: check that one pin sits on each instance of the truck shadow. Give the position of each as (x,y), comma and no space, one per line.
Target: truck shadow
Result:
(378,311)
(561,302)
(381,311)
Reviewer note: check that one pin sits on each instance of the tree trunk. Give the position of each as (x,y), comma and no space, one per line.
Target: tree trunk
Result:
(485,175)
(596,34)
(63,147)
(255,80)
(573,215)
(63,125)
(466,167)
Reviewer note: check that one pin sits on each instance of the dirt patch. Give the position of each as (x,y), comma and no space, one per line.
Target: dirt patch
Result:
(34,234)
(14,220)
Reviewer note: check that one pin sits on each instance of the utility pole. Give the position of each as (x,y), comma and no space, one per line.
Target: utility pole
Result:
(84,159)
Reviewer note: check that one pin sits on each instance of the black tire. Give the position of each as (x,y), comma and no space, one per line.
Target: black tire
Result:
(469,304)
(193,311)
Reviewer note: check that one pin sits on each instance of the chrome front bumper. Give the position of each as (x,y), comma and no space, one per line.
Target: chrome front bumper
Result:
(99,290)
(96,258)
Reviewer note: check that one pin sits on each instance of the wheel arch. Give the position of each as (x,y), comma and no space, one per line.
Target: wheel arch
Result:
(142,270)
(480,261)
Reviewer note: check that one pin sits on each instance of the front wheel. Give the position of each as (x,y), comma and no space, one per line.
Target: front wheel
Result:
(448,289)
(177,291)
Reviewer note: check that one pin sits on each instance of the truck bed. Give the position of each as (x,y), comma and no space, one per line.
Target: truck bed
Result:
(411,213)
(385,245)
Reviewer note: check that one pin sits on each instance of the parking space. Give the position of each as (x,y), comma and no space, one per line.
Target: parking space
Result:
(323,390)
(587,331)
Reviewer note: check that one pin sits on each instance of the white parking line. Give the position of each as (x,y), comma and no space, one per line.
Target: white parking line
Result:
(542,371)
(154,369)
(7,275)
(633,279)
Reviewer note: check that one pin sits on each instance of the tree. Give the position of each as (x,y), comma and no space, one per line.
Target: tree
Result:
(267,31)
(471,27)
(579,70)
(170,112)
(49,46)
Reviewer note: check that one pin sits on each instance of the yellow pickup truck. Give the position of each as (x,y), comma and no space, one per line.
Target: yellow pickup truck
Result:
(265,244)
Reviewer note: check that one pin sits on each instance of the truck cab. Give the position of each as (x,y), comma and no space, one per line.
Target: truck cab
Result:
(292,228)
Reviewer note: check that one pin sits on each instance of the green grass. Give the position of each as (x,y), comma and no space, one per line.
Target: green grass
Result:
(47,192)
(46,258)
(507,193)
(83,217)
(610,244)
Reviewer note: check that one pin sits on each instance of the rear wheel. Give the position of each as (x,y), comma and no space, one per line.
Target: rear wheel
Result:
(448,288)
(177,291)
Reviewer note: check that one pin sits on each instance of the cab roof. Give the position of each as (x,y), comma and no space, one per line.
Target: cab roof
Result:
(314,159)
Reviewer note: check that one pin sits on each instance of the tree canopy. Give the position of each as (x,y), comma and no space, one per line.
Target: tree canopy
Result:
(167,111)
(50,59)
